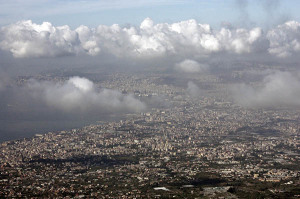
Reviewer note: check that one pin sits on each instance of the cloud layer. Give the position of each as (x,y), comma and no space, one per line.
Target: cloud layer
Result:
(277,89)
(185,38)
(80,95)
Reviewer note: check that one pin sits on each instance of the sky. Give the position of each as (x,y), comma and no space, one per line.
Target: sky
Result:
(94,12)
(182,37)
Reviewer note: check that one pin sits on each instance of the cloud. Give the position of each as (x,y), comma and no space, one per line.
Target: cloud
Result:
(277,89)
(27,39)
(241,41)
(190,66)
(88,40)
(182,39)
(80,95)
(193,90)
(285,39)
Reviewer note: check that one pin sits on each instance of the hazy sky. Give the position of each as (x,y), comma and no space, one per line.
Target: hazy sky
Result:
(95,12)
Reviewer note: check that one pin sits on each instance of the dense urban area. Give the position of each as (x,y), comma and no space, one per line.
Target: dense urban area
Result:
(185,145)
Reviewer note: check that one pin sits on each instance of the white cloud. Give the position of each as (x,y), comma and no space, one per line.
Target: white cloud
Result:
(243,41)
(88,40)
(27,39)
(278,88)
(185,38)
(190,66)
(79,94)
(285,39)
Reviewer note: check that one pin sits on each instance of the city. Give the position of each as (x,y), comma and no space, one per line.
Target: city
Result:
(193,147)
